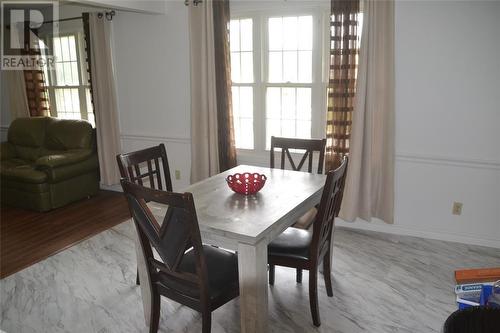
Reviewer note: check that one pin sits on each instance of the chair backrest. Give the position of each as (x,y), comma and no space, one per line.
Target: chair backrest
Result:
(309,145)
(130,167)
(329,208)
(178,232)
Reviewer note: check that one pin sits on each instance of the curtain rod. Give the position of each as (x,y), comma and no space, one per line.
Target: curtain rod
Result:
(66,19)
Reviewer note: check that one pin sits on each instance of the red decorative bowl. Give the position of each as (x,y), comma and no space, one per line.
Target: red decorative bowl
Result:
(246,183)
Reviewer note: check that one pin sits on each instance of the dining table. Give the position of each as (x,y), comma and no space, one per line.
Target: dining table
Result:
(246,224)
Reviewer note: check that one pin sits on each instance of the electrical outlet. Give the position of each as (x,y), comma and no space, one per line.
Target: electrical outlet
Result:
(457,208)
(177,174)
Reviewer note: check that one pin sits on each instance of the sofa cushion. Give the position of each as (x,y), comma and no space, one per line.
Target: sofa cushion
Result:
(21,171)
(28,132)
(68,134)
(27,135)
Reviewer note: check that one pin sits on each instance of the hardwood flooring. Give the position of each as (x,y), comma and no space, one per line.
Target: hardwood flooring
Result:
(27,237)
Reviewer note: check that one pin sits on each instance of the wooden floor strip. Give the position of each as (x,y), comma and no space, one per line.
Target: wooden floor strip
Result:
(27,237)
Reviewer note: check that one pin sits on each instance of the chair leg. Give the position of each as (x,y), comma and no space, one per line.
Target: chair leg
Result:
(327,273)
(155,312)
(137,281)
(313,295)
(271,275)
(298,276)
(206,321)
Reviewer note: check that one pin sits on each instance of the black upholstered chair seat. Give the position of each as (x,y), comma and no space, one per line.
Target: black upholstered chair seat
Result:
(222,269)
(291,243)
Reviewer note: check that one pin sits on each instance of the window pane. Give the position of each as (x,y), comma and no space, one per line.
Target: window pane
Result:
(288,128)
(304,103)
(57,49)
(246,102)
(234,35)
(288,103)
(243,116)
(303,129)
(305,66)
(273,103)
(72,48)
(290,35)
(235,67)
(246,67)
(65,49)
(275,67)
(273,128)
(290,66)
(235,92)
(275,34)
(246,35)
(305,33)
(245,139)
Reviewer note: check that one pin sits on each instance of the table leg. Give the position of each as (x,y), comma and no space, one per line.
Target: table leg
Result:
(252,266)
(143,277)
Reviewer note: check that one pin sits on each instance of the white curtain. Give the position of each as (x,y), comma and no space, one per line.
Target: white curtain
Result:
(204,140)
(16,88)
(369,190)
(104,96)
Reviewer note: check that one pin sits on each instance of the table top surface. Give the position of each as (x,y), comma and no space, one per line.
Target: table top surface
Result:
(285,197)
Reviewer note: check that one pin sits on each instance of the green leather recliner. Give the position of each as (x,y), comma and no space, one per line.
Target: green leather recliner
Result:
(47,163)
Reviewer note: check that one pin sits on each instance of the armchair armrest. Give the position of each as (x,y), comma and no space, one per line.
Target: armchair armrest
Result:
(7,151)
(62,159)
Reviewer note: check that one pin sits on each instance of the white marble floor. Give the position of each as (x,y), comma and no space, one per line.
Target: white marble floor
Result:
(382,283)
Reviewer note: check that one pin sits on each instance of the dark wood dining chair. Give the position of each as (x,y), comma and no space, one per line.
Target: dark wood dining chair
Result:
(131,165)
(304,249)
(310,146)
(199,276)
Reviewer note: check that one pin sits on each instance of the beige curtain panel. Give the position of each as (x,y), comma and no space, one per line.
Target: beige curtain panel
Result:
(104,98)
(16,88)
(369,190)
(212,135)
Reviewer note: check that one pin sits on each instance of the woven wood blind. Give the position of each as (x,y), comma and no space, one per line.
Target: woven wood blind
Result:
(86,36)
(344,50)
(36,88)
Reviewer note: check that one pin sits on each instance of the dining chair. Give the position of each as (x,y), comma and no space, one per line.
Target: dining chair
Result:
(199,276)
(310,146)
(304,249)
(130,165)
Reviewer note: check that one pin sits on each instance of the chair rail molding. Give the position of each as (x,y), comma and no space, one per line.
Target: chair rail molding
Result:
(262,158)
(154,138)
(448,160)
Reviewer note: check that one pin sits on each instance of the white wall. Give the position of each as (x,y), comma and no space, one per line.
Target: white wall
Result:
(152,66)
(447,121)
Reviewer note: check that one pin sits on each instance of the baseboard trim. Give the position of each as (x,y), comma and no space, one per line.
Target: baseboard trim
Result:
(401,231)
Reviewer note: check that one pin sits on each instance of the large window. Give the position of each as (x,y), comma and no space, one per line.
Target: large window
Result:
(276,75)
(68,83)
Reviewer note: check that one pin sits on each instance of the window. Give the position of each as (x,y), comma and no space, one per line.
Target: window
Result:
(289,79)
(276,77)
(68,83)
(242,77)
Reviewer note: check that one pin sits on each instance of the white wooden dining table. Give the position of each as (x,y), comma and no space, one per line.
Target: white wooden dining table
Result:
(246,224)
